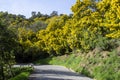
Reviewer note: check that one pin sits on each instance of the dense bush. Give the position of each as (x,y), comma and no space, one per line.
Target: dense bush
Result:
(89,27)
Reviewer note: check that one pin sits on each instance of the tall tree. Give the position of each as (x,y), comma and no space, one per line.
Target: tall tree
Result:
(54,13)
(7,44)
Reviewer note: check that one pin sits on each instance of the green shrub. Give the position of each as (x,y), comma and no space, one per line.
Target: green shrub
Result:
(21,73)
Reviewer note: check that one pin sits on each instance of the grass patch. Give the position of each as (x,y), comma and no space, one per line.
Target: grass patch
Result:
(21,76)
(110,68)
(21,73)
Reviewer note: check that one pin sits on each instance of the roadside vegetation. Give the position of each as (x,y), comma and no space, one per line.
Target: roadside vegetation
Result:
(88,39)
(102,65)
(21,73)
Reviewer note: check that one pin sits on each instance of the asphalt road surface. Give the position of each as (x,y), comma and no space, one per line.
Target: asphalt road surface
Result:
(54,72)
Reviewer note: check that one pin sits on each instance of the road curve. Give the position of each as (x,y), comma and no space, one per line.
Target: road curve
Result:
(54,72)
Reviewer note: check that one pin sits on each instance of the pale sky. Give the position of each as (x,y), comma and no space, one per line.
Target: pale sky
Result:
(25,7)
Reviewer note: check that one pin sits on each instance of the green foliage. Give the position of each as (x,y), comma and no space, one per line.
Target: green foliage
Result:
(7,45)
(109,67)
(28,50)
(21,73)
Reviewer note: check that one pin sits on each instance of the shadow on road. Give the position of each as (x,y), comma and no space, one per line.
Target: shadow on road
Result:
(50,72)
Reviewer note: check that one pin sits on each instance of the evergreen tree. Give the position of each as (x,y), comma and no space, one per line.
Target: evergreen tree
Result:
(7,44)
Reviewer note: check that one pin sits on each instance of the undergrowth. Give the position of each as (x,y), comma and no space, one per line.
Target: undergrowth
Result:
(21,73)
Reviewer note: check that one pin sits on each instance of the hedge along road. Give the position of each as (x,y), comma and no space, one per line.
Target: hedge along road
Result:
(54,72)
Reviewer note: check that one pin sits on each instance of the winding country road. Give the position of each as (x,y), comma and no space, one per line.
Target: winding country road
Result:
(54,72)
